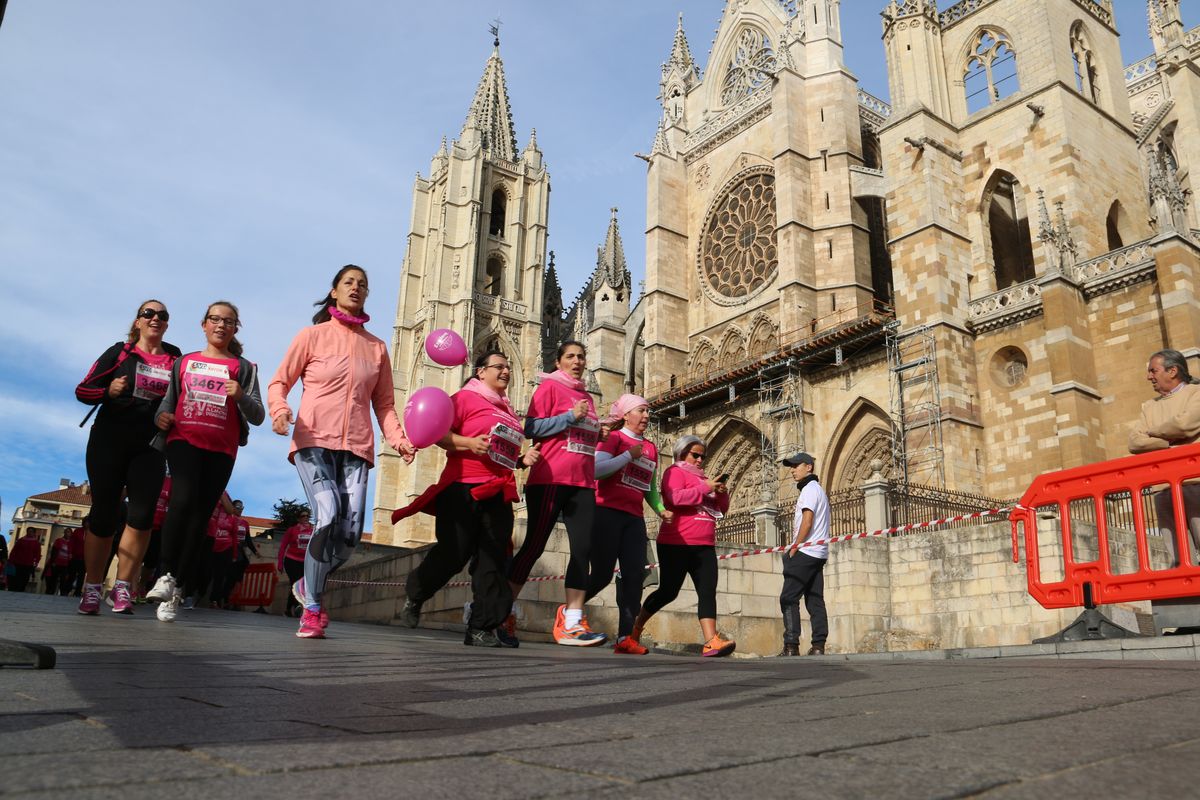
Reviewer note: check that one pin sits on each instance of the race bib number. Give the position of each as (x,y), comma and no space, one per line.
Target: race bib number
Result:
(504,446)
(582,436)
(637,474)
(150,383)
(206,382)
(711,511)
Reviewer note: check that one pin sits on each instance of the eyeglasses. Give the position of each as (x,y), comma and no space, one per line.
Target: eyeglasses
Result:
(498,367)
(226,321)
(151,313)
(695,455)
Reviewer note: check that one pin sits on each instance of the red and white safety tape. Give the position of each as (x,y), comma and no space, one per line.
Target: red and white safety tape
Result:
(912,526)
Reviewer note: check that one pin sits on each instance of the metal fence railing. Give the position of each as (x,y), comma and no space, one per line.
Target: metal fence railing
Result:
(915,502)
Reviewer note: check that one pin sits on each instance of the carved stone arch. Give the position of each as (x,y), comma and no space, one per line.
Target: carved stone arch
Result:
(1088,79)
(764,335)
(635,366)
(1008,244)
(703,359)
(863,434)
(495,335)
(744,61)
(733,347)
(735,446)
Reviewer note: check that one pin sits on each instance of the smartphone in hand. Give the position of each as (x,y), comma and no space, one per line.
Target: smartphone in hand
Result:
(724,478)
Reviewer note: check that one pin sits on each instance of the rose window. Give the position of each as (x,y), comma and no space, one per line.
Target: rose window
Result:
(738,254)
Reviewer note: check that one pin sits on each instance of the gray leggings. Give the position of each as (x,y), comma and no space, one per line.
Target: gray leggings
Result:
(335,482)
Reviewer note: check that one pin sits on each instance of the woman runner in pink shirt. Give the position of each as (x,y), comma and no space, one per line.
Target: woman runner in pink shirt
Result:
(473,504)
(211,402)
(346,373)
(562,419)
(687,542)
(626,464)
(290,560)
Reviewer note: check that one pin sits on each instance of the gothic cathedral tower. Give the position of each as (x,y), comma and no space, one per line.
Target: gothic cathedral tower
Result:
(475,264)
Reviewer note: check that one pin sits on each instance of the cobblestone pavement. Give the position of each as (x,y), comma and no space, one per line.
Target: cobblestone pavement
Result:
(232,704)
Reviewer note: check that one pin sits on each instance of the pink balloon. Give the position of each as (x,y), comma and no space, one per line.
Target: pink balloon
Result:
(427,416)
(446,347)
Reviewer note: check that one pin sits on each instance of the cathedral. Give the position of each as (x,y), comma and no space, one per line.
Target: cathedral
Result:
(958,289)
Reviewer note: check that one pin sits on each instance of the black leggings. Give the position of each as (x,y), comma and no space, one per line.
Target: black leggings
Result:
(545,502)
(678,560)
(198,478)
(619,535)
(120,457)
(469,530)
(294,568)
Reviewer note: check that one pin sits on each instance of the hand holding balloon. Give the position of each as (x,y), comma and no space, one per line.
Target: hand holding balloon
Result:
(427,416)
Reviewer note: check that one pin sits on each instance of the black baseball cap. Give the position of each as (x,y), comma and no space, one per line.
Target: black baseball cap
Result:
(799,458)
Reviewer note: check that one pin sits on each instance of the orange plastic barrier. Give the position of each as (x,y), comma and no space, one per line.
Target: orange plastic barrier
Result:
(1099,526)
(257,587)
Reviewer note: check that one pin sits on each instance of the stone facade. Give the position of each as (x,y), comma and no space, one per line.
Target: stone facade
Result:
(964,284)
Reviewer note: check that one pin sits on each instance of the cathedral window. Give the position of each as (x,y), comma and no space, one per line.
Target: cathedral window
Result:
(750,66)
(1116,222)
(738,252)
(499,206)
(991,73)
(1086,75)
(493,278)
(1008,224)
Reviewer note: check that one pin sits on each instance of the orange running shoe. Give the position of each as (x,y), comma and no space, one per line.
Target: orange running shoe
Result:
(630,646)
(559,623)
(716,646)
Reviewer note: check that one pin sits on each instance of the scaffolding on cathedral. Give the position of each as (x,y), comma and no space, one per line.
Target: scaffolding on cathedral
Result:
(916,401)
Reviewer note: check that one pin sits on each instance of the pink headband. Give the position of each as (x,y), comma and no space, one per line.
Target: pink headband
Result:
(624,404)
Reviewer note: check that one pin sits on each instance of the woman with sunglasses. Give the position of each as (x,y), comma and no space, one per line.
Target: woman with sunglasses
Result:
(562,419)
(127,383)
(472,502)
(626,463)
(205,415)
(346,372)
(687,542)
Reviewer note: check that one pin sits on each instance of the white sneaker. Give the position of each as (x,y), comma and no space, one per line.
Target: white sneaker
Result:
(164,589)
(168,608)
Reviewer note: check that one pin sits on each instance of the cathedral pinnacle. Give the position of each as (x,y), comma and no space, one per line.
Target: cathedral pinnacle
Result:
(610,258)
(490,111)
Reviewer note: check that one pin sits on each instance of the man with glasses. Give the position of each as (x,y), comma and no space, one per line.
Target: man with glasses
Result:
(803,572)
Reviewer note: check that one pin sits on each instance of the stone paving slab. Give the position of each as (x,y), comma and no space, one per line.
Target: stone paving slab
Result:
(232,704)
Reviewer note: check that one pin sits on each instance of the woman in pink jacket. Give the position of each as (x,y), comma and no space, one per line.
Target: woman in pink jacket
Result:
(346,373)
(687,542)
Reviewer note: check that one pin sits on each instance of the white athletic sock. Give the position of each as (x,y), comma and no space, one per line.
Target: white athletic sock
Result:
(571,617)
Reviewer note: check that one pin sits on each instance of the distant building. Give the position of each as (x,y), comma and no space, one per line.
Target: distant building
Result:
(51,515)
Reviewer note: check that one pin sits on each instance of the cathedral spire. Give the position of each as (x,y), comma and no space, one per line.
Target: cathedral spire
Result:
(681,55)
(1166,24)
(490,112)
(610,259)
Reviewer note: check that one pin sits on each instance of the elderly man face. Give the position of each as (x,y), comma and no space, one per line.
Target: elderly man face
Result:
(1164,380)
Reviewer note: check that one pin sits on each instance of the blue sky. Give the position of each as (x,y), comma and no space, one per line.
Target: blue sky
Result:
(245,150)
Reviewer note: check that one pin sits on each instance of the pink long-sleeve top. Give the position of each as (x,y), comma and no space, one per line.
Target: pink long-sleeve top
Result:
(346,373)
(696,508)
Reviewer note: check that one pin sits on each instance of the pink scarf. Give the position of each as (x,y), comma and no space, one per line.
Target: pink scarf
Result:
(342,316)
(491,395)
(692,469)
(563,378)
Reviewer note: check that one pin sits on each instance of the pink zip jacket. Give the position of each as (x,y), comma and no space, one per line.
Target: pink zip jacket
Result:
(346,372)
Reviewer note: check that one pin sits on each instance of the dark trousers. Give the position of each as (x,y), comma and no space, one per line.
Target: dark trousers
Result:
(19,580)
(469,530)
(545,502)
(618,536)
(198,477)
(294,567)
(75,573)
(803,575)
(119,457)
(677,561)
(220,568)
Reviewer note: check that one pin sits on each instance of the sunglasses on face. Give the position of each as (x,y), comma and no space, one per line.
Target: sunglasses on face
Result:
(151,313)
(695,455)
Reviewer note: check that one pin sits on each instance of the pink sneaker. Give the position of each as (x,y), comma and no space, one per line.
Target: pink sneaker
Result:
(121,599)
(90,604)
(310,626)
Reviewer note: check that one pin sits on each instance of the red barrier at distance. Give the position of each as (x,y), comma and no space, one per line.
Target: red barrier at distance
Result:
(257,587)
(1098,522)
